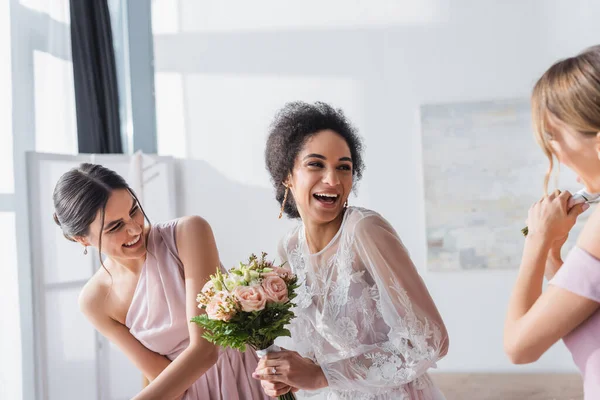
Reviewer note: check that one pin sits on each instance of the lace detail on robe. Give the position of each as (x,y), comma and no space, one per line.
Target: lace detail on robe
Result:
(363,312)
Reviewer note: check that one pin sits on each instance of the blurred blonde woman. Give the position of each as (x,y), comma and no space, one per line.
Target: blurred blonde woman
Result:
(566,112)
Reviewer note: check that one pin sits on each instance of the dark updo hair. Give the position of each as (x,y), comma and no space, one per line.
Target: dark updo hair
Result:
(78,196)
(293,125)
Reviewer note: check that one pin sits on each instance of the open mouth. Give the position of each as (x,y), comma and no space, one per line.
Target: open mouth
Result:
(326,198)
(134,242)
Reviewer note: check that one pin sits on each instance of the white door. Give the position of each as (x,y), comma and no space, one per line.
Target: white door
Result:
(73,361)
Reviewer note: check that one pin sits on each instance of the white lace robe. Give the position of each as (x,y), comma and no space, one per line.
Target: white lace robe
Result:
(364,314)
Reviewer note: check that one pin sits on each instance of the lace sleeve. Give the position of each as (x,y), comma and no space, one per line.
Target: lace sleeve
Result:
(399,333)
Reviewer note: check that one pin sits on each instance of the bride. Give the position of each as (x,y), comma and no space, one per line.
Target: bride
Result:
(366,326)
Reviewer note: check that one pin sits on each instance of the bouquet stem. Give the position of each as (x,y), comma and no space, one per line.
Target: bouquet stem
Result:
(273,348)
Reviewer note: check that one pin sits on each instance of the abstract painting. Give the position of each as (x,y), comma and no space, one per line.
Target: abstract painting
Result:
(482,171)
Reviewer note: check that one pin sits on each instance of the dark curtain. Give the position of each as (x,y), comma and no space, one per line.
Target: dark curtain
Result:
(95,76)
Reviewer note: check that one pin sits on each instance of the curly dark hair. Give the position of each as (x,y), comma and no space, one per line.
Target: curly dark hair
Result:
(293,125)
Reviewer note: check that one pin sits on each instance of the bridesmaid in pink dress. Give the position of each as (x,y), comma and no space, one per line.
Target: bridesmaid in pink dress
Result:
(566,112)
(145,295)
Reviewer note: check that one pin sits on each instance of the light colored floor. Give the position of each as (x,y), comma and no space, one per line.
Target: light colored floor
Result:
(510,386)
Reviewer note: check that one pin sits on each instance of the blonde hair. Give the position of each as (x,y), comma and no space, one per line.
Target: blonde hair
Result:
(570,92)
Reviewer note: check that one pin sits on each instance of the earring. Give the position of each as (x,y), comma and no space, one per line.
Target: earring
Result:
(85,251)
(285,195)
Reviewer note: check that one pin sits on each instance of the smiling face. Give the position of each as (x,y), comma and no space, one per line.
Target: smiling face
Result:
(322,178)
(123,228)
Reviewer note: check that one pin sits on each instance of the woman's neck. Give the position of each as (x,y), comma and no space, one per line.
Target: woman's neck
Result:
(319,235)
(130,265)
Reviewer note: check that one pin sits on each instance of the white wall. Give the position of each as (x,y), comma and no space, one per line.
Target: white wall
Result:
(220,79)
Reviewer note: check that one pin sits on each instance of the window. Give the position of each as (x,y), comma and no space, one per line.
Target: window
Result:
(7,183)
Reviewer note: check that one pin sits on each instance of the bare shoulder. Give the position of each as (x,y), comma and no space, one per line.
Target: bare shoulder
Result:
(92,299)
(192,222)
(192,229)
(588,239)
(193,233)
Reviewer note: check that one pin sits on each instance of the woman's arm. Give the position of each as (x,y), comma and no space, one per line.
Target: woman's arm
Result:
(91,303)
(405,335)
(198,253)
(553,263)
(536,321)
(554,260)
(410,333)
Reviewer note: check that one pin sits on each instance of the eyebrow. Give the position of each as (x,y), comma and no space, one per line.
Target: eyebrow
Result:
(314,155)
(112,224)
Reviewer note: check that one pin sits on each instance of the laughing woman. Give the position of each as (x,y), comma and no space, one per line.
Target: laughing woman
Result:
(366,326)
(145,294)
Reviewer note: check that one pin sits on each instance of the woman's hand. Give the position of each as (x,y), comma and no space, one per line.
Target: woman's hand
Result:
(551,218)
(276,389)
(286,369)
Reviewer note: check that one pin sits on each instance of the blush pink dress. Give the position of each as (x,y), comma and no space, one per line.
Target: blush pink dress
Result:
(580,274)
(157,318)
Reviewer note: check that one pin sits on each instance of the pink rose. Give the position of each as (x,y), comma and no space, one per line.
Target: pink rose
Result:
(283,273)
(275,289)
(251,298)
(221,307)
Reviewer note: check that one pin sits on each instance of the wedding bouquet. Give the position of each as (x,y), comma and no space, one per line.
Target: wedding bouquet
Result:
(249,305)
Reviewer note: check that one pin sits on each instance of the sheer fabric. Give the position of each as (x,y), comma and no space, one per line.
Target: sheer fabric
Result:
(364,314)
